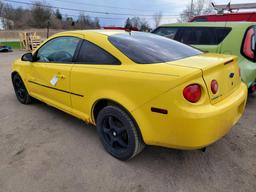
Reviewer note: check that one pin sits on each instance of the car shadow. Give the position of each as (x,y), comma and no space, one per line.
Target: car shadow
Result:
(150,153)
(223,161)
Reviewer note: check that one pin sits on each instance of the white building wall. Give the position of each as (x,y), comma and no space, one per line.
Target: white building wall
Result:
(1,24)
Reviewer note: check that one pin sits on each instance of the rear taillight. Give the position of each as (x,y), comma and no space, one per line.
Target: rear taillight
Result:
(192,93)
(214,86)
(249,44)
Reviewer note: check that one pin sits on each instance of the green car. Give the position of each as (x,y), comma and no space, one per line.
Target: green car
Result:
(235,38)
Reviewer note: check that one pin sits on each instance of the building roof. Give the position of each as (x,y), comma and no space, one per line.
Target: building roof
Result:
(210,24)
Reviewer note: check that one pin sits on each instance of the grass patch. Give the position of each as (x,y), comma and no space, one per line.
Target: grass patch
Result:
(14,45)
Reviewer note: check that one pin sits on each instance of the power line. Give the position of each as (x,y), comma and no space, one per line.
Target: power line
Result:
(111,18)
(103,6)
(83,10)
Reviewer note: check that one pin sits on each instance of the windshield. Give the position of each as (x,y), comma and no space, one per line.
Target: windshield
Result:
(147,48)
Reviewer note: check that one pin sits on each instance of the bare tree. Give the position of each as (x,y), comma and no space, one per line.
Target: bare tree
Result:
(20,17)
(138,23)
(96,23)
(202,7)
(157,18)
(55,22)
(86,22)
(144,25)
(8,14)
(40,15)
(68,22)
(1,8)
(83,21)
(199,7)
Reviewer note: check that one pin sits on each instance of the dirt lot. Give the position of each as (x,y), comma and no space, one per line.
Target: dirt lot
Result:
(44,149)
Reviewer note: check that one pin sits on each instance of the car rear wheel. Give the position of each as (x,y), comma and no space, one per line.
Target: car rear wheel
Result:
(20,90)
(118,133)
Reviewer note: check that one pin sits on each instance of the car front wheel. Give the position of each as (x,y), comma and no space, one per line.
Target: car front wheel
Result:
(20,90)
(118,133)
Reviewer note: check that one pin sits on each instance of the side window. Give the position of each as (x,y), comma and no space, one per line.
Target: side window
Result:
(204,35)
(169,32)
(60,49)
(92,54)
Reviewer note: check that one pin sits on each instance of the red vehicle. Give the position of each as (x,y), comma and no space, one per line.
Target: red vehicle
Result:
(122,28)
(246,16)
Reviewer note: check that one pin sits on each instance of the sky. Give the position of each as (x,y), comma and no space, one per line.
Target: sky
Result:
(118,10)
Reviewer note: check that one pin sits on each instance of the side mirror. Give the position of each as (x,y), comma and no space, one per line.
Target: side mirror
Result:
(27,57)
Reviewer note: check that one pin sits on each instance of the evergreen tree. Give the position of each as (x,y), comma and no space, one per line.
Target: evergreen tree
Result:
(128,23)
(58,15)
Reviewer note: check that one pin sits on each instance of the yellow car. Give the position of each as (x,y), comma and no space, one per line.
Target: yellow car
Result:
(137,88)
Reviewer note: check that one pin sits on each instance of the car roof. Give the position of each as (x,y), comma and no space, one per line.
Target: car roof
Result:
(210,24)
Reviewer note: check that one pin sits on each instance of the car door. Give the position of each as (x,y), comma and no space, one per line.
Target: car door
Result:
(50,72)
(91,69)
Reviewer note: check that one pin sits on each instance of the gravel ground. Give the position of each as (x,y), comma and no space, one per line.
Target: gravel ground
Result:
(44,149)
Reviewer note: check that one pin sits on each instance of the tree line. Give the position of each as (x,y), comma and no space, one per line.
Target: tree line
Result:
(41,16)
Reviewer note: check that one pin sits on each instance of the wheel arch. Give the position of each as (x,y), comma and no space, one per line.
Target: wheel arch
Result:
(103,102)
(14,73)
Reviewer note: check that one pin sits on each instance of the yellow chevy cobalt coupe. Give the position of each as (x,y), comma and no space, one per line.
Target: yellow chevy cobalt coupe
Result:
(137,88)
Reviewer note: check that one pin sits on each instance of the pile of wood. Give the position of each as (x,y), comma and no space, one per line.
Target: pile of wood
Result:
(29,40)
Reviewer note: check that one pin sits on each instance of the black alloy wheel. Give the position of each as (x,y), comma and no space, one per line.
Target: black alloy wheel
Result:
(118,133)
(20,90)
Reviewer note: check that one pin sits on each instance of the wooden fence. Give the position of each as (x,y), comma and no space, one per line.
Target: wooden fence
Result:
(13,35)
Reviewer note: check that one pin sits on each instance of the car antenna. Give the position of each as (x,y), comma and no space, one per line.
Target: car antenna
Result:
(129,30)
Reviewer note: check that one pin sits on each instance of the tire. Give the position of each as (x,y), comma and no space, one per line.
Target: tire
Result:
(20,90)
(118,133)
(252,88)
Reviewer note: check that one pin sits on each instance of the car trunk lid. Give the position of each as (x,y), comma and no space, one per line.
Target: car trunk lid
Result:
(222,68)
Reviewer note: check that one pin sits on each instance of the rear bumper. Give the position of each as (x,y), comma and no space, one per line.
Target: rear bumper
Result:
(192,127)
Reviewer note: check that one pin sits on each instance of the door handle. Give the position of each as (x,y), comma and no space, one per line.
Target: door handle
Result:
(60,76)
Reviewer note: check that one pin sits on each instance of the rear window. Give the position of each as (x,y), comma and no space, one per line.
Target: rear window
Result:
(204,35)
(146,48)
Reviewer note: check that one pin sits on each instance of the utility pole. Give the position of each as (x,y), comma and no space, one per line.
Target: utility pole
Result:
(48,28)
(191,9)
